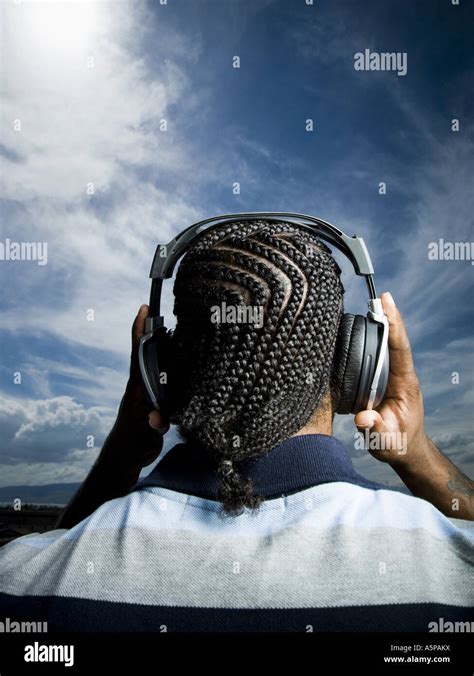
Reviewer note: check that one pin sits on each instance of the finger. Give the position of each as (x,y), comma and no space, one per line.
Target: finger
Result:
(138,327)
(401,359)
(370,420)
(158,422)
(379,436)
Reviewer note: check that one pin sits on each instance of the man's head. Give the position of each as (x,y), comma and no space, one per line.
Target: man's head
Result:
(258,307)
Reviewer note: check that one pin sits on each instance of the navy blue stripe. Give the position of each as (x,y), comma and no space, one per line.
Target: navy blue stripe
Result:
(73,614)
(294,465)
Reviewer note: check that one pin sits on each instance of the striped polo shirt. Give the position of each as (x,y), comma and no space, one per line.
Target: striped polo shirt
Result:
(327,551)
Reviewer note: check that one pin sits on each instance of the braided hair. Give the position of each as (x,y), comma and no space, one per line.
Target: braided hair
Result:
(239,388)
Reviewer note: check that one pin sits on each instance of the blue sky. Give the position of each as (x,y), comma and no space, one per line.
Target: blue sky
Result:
(100,125)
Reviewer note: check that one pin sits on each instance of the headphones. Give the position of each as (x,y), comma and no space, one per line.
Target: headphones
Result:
(362,361)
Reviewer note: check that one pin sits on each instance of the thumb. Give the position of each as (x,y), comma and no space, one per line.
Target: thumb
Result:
(383,441)
(157,422)
(371,420)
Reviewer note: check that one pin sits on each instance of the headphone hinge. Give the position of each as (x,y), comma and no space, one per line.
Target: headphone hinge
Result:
(153,323)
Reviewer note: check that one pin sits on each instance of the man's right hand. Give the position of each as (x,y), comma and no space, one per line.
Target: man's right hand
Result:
(400,415)
(398,423)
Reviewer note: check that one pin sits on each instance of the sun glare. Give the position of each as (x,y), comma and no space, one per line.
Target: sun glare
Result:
(67,26)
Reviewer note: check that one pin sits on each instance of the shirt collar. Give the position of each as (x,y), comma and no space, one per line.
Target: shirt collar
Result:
(295,464)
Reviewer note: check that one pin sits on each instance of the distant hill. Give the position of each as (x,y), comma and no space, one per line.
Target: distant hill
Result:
(49,494)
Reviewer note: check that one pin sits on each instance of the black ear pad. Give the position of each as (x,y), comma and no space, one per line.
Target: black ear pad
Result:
(357,348)
(369,364)
(349,359)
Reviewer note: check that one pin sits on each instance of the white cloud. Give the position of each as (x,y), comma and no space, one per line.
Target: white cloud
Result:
(45,440)
(82,124)
(53,430)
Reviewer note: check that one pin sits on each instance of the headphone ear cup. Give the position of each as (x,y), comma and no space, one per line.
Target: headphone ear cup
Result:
(369,365)
(154,366)
(350,350)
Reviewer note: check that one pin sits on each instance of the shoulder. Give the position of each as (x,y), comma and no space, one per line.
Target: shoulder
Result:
(384,505)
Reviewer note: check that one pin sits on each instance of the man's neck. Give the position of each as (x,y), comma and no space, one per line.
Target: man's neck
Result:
(314,429)
(320,422)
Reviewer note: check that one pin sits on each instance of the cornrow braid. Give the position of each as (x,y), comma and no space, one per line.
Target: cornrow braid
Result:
(238,389)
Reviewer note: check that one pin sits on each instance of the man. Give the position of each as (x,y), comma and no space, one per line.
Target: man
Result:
(258,522)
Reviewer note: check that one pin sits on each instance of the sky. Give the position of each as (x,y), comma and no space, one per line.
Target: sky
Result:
(88,168)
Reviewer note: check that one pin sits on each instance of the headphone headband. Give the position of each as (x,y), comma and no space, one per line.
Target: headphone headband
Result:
(353,248)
